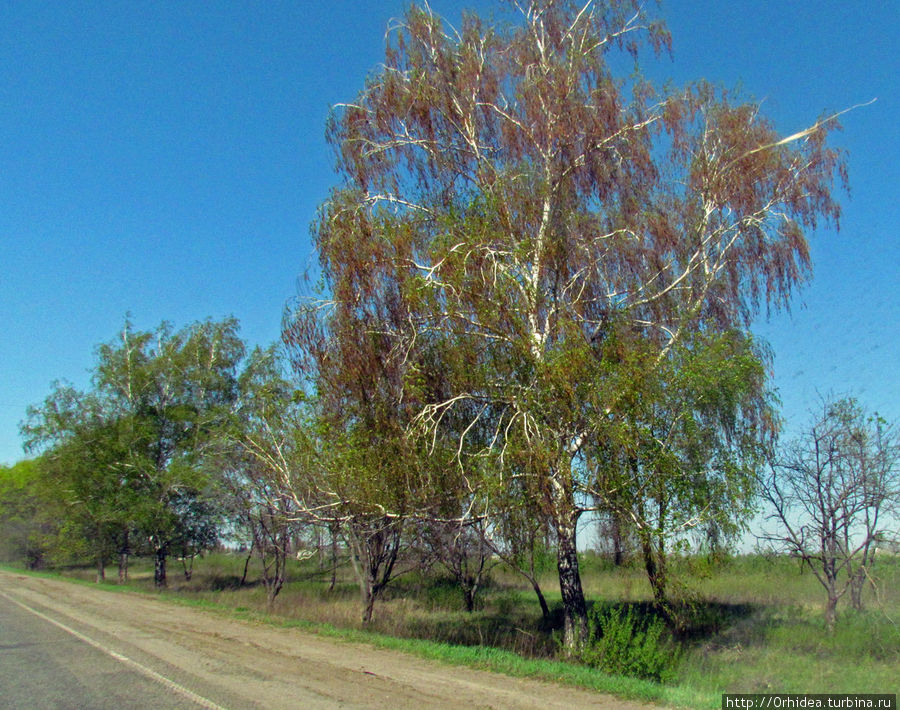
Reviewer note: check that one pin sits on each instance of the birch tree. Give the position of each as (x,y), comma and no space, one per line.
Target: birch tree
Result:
(266,452)
(685,450)
(508,198)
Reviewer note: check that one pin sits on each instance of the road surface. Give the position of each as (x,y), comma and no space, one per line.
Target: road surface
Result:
(65,645)
(44,666)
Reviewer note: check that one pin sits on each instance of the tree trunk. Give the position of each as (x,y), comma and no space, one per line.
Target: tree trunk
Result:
(564,520)
(618,552)
(857,583)
(101,568)
(159,569)
(246,566)
(617,532)
(188,567)
(469,598)
(334,555)
(274,571)
(831,612)
(656,570)
(545,610)
(857,580)
(371,589)
(123,559)
(575,628)
(369,596)
(123,567)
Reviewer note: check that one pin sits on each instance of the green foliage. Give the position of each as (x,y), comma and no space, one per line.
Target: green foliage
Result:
(684,454)
(441,593)
(29,518)
(622,643)
(129,454)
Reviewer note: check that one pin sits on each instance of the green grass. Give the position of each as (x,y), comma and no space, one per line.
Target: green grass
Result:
(755,624)
(780,644)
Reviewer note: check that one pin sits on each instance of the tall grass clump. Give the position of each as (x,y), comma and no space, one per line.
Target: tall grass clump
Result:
(623,643)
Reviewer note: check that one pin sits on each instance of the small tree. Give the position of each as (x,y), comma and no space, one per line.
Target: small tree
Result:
(461,547)
(371,477)
(875,452)
(272,529)
(834,493)
(84,468)
(687,449)
(264,451)
(374,543)
(31,516)
(197,527)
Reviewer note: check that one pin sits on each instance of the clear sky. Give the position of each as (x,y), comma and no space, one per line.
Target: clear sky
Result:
(167,159)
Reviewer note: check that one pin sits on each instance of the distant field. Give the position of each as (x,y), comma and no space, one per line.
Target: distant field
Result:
(755,623)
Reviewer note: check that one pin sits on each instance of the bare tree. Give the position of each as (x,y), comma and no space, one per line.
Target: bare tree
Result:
(272,528)
(834,493)
(615,536)
(375,544)
(461,547)
(265,452)
(368,490)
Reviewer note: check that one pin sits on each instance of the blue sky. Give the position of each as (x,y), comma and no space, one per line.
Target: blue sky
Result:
(166,159)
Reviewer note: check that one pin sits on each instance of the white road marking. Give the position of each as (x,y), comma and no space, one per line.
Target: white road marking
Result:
(149,672)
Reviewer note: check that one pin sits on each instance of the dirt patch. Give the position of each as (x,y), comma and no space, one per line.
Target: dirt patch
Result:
(242,664)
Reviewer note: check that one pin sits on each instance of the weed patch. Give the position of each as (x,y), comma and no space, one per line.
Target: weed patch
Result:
(625,643)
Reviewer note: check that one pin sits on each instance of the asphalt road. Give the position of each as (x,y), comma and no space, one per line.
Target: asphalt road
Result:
(45,666)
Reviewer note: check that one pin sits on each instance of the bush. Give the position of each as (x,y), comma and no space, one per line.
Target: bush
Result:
(620,642)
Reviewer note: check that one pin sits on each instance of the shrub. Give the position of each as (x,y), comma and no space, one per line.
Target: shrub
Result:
(625,644)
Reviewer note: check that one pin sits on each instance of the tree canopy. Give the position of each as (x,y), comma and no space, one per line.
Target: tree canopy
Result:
(519,234)
(127,455)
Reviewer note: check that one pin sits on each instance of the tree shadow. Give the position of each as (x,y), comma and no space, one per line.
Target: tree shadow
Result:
(230,582)
(690,621)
